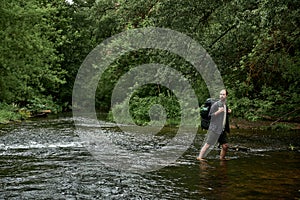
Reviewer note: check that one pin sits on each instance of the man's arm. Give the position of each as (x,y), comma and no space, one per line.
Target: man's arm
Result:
(214,109)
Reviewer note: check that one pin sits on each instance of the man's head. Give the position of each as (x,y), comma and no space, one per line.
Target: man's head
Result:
(223,95)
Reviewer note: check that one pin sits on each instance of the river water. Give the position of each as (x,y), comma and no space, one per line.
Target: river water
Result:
(45,159)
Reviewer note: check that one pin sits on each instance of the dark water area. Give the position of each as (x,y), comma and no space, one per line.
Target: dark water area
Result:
(45,159)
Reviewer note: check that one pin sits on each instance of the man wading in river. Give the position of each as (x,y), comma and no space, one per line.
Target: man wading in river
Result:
(218,128)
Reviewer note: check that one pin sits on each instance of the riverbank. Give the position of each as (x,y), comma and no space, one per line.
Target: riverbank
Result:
(13,113)
(237,123)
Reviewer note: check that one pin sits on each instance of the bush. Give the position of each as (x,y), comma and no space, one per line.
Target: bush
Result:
(12,113)
(38,104)
(269,104)
(139,108)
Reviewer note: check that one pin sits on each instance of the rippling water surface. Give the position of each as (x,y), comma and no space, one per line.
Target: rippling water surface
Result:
(45,159)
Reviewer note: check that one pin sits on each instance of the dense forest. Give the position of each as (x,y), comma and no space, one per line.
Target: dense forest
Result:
(255,44)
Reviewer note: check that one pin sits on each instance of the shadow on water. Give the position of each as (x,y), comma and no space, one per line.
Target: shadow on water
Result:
(46,160)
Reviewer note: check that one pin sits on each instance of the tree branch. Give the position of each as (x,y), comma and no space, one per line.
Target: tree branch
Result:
(222,35)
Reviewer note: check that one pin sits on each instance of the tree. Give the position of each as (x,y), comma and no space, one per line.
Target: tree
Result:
(29,61)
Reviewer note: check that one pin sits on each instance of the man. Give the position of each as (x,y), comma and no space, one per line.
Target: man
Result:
(218,128)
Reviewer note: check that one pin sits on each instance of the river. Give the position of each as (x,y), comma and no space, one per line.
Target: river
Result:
(45,159)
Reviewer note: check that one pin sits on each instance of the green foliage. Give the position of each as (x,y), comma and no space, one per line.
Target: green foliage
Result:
(268,104)
(255,44)
(30,63)
(77,31)
(12,113)
(140,105)
(265,55)
(37,104)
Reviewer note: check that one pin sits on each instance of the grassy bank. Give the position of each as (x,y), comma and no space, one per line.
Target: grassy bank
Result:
(14,113)
(237,123)
(10,113)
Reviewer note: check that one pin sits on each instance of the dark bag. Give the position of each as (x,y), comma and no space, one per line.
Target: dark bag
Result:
(204,112)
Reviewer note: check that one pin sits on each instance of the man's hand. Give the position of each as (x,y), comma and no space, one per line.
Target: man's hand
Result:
(220,110)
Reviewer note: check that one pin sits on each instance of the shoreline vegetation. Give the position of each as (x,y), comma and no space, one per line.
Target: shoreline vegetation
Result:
(12,113)
(237,123)
(18,116)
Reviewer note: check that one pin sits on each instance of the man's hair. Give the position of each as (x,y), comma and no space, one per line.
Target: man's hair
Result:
(226,92)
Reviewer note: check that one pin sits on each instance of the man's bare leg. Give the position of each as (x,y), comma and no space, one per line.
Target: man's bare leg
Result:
(203,150)
(223,151)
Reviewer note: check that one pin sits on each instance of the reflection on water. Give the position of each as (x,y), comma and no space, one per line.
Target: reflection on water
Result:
(46,160)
